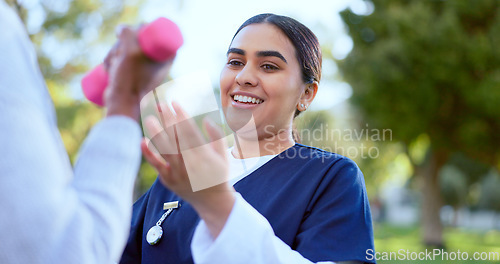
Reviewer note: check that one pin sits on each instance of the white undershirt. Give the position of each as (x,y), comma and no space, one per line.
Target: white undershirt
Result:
(240,168)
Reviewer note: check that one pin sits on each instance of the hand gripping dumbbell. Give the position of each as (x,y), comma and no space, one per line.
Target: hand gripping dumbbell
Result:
(159,41)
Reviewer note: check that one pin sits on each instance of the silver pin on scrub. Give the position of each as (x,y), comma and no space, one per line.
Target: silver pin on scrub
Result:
(155,233)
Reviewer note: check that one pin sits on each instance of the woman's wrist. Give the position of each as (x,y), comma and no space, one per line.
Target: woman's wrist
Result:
(215,208)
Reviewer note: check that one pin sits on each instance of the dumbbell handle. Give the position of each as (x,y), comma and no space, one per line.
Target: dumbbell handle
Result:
(159,41)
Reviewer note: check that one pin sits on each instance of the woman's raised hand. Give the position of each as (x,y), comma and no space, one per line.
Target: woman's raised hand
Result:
(194,169)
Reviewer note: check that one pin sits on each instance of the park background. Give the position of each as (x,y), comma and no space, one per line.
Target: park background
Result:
(410,91)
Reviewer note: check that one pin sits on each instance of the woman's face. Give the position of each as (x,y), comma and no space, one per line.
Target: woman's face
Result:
(261,78)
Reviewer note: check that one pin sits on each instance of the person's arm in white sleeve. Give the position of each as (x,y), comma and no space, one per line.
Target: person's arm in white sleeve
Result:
(49,215)
(247,237)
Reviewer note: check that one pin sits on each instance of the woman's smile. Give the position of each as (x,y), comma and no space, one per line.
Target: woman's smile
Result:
(245,100)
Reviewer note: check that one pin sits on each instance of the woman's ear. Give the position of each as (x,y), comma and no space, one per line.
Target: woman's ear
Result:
(307,96)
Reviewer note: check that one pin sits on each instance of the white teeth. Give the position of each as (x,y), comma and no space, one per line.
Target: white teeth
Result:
(247,99)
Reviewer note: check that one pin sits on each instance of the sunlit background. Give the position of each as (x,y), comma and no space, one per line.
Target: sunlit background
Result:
(208,27)
(410,91)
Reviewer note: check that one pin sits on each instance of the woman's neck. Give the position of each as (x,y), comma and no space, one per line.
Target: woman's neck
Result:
(270,145)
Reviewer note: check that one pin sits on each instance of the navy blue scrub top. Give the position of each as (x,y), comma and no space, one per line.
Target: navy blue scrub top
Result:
(315,201)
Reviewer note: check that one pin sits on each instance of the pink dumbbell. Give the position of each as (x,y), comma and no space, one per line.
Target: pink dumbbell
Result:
(159,40)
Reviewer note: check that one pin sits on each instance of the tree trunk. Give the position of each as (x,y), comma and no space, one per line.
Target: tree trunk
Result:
(432,228)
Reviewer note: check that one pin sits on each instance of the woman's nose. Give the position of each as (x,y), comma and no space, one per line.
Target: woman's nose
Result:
(247,77)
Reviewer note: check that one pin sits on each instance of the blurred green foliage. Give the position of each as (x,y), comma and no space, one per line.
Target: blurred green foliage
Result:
(429,71)
(490,195)
(430,67)
(390,238)
(453,186)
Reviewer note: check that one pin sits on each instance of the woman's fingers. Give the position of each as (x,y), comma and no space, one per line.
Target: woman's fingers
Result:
(155,160)
(188,134)
(168,120)
(181,114)
(216,136)
(167,115)
(161,139)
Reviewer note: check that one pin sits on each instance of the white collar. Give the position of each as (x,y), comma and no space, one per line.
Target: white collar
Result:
(240,168)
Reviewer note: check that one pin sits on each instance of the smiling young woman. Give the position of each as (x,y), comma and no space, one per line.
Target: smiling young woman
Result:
(261,64)
(293,204)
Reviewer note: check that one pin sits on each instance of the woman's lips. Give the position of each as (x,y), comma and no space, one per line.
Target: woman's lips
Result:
(245,101)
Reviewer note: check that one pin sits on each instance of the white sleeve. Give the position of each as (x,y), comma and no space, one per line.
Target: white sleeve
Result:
(47,214)
(247,237)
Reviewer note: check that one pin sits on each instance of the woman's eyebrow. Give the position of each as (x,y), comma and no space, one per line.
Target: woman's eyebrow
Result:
(264,53)
(235,50)
(271,53)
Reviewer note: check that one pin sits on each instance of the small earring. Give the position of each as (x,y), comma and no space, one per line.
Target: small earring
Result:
(301,105)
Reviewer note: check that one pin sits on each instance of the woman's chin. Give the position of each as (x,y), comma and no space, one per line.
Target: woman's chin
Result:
(238,119)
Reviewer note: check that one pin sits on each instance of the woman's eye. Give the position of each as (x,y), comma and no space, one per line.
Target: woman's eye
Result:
(269,67)
(235,63)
